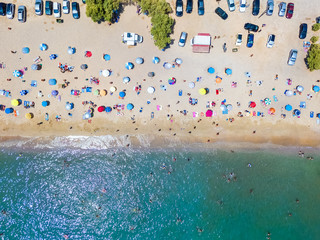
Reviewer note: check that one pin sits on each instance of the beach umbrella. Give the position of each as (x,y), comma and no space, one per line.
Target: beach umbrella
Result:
(43,47)
(211,70)
(288,107)
(126,80)
(8,110)
(96,92)
(34,67)
(17,73)
(267,101)
(252,104)
(271,111)
(300,88)
(218,79)
(108,109)
(84,66)
(25,50)
(172,81)
(130,106)
(209,113)
(106,57)
(129,65)
(103,92)
(228,71)
(86,115)
(202,91)
(45,103)
(71,50)
(150,90)
(15,102)
(87,54)
(191,84)
(122,94)
(139,60)
(105,73)
(23,92)
(69,106)
(54,93)
(178,61)
(167,65)
(316,88)
(297,112)
(155,60)
(113,89)
(150,74)
(288,93)
(101,109)
(52,81)
(229,107)
(29,115)
(53,56)
(223,107)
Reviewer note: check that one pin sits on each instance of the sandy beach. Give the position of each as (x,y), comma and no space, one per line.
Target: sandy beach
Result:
(167,106)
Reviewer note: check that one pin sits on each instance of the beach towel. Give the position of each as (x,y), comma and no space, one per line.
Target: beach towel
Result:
(254,113)
(303,105)
(195,114)
(159,107)
(225,112)
(34,83)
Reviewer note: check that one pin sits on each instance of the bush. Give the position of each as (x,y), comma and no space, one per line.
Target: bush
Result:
(316,27)
(313,58)
(314,39)
(102,10)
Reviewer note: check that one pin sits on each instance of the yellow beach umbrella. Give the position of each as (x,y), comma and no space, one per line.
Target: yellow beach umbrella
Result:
(202,91)
(29,115)
(103,92)
(14,102)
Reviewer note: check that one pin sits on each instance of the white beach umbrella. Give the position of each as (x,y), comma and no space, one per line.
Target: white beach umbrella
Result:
(150,90)
(192,84)
(105,73)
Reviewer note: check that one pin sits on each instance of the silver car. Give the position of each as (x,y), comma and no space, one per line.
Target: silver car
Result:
(270,7)
(292,57)
(10,10)
(271,39)
(22,13)
(282,9)
(182,39)
(231,5)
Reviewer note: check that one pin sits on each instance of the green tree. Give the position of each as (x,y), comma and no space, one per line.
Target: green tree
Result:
(101,10)
(316,27)
(161,28)
(313,58)
(314,39)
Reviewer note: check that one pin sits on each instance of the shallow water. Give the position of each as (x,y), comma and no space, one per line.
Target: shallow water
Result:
(129,194)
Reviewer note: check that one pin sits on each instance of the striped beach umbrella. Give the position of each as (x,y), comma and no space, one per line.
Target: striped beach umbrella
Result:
(43,47)
(126,80)
(17,73)
(267,101)
(129,65)
(155,60)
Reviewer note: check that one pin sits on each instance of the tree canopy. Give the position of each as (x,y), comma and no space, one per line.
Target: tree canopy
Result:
(102,10)
(313,58)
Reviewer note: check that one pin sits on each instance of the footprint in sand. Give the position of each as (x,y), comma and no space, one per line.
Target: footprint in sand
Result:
(44,22)
(52,22)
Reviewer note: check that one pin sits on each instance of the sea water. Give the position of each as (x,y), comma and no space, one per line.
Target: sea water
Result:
(143,193)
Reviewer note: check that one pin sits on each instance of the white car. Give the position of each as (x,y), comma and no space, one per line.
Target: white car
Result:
(239,39)
(270,41)
(242,6)
(56,9)
(292,57)
(282,9)
(66,6)
(231,5)
(182,40)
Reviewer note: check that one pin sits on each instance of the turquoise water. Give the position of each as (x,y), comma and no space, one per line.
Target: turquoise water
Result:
(129,194)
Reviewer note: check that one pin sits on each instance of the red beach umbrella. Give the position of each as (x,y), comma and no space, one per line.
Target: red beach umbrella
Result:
(88,54)
(252,104)
(101,108)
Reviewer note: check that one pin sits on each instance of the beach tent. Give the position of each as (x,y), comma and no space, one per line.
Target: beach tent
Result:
(106,57)
(155,60)
(52,81)
(218,79)
(45,103)
(211,70)
(17,73)
(252,104)
(288,107)
(87,53)
(150,74)
(25,50)
(203,91)
(150,90)
(178,61)
(43,47)
(228,71)
(54,93)
(29,116)
(71,50)
(129,65)
(139,60)
(209,113)
(8,110)
(130,106)
(300,88)
(103,92)
(101,109)
(105,73)
(191,84)
(315,88)
(108,109)
(126,80)
(15,102)
(122,94)
(69,106)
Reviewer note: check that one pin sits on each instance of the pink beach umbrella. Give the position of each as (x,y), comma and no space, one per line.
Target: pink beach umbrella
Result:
(209,113)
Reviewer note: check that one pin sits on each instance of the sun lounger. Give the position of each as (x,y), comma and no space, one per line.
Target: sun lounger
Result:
(275,98)
(311,114)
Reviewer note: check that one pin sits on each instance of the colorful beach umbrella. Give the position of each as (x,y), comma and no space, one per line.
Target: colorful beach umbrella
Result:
(53,56)
(211,70)
(316,88)
(8,110)
(228,71)
(25,50)
(130,106)
(155,60)
(288,107)
(267,101)
(108,109)
(288,93)
(129,65)
(122,94)
(252,104)
(29,116)
(17,73)
(271,111)
(15,102)
(106,57)
(126,80)
(87,53)
(167,65)
(101,109)
(52,81)
(202,91)
(43,47)
(139,60)
(172,81)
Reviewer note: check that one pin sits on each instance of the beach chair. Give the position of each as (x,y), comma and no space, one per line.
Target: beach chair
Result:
(180,92)
(275,98)
(311,114)
(152,115)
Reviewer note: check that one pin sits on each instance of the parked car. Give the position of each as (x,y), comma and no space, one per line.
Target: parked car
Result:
(200,7)
(221,13)
(182,39)
(282,9)
(48,8)
(292,57)
(290,10)
(66,6)
(303,31)
(76,11)
(179,8)
(251,27)
(318,20)
(57,9)
(242,6)
(10,10)
(239,39)
(270,7)
(3,9)
(231,5)
(250,40)
(38,7)
(22,12)
(189,6)
(271,39)
(255,7)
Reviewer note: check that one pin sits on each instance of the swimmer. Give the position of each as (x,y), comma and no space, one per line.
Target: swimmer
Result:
(199,230)
(290,214)
(66,236)
(249,164)
(104,190)
(163,166)
(297,200)
(174,159)
(251,190)
(169,172)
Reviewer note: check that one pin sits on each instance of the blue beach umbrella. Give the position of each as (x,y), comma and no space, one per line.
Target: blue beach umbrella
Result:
(52,81)
(43,47)
(130,106)
(25,50)
(8,110)
(139,60)
(297,112)
(122,94)
(288,107)
(53,56)
(211,70)
(54,93)
(16,73)
(45,103)
(69,105)
(106,57)
(155,60)
(228,71)
(316,88)
(108,109)
(129,65)
(71,50)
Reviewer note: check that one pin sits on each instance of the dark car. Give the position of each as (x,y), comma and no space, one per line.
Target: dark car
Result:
(189,6)
(221,13)
(251,27)
(290,9)
(179,8)
(318,20)
(48,8)
(3,9)
(22,13)
(303,31)
(38,7)
(200,7)
(10,10)
(255,7)
(75,10)
(250,40)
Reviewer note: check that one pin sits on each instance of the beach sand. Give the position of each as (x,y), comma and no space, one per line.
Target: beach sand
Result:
(168,123)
